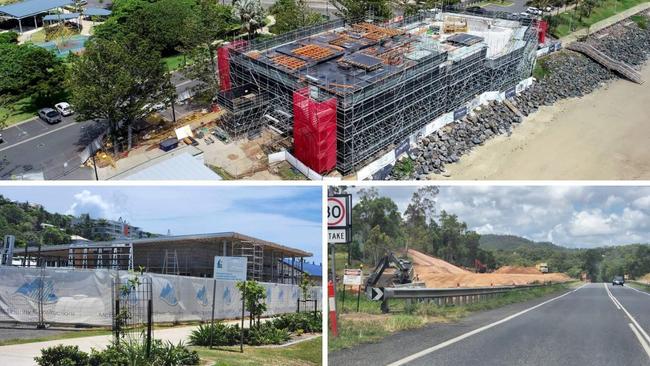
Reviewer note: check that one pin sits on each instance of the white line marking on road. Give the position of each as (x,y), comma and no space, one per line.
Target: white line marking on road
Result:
(644,344)
(444,344)
(611,297)
(639,291)
(645,335)
(37,136)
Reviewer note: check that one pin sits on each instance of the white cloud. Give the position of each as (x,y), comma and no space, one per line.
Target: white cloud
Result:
(96,206)
(642,202)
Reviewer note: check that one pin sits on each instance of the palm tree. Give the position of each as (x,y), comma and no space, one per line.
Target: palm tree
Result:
(250,14)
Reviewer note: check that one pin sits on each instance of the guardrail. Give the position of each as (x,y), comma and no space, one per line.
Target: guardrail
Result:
(442,296)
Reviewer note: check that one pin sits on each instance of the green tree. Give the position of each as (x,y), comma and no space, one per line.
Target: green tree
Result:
(293,14)
(254,296)
(250,14)
(116,81)
(354,11)
(376,244)
(417,215)
(53,236)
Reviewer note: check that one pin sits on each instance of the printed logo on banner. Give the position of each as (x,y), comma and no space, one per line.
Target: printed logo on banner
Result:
(382,173)
(31,290)
(281,294)
(295,293)
(168,295)
(226,297)
(269,293)
(202,296)
(511,93)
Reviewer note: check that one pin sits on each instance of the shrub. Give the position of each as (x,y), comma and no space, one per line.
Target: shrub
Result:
(295,321)
(267,333)
(172,354)
(61,355)
(222,335)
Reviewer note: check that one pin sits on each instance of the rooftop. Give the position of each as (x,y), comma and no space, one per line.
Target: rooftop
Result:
(184,163)
(348,58)
(28,8)
(180,240)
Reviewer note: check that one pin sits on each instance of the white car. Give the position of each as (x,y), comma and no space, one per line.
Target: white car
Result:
(64,108)
(534,11)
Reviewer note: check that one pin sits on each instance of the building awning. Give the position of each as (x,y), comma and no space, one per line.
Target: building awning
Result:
(31,7)
(63,16)
(312,269)
(97,12)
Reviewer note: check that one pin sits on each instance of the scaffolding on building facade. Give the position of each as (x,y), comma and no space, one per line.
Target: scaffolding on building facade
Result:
(377,106)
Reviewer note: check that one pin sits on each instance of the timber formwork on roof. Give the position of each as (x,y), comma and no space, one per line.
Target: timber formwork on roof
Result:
(388,83)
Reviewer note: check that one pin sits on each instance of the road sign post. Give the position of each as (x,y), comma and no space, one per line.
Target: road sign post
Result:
(339,222)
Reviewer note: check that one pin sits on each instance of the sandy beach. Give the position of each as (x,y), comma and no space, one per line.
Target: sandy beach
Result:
(602,136)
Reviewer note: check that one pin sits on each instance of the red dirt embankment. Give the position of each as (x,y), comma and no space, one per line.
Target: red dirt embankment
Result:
(436,273)
(517,270)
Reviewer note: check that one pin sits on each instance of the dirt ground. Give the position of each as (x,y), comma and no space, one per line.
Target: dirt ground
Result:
(645,278)
(436,273)
(604,135)
(517,270)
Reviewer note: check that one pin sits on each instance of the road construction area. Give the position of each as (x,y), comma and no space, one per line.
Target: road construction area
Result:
(436,273)
(594,324)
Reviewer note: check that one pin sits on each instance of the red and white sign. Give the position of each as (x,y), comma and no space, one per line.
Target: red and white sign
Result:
(337,212)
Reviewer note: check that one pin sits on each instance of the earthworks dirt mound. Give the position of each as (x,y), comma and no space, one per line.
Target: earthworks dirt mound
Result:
(517,270)
(645,278)
(436,273)
(432,264)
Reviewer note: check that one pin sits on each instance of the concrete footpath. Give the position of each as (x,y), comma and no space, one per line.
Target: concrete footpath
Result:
(605,23)
(23,354)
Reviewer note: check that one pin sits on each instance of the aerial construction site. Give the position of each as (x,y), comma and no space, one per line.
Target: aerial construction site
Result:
(346,93)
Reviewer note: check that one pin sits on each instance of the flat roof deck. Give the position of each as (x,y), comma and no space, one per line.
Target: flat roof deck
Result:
(347,59)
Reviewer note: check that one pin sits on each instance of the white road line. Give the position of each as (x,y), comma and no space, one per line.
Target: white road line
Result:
(639,291)
(644,344)
(475,331)
(611,297)
(643,332)
(38,136)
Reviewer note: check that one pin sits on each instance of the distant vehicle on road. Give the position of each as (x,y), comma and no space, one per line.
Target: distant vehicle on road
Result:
(49,115)
(618,280)
(64,108)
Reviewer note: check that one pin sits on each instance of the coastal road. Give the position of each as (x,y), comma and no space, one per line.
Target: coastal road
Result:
(37,150)
(594,325)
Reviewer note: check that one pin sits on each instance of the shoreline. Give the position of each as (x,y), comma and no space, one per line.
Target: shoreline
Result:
(604,135)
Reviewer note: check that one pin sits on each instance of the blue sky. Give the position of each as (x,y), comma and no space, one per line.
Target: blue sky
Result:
(572,216)
(286,215)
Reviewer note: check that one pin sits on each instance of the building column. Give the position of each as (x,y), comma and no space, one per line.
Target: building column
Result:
(302,271)
(293,269)
(20,25)
(35,22)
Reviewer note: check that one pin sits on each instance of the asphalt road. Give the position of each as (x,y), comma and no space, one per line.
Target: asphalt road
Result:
(581,327)
(37,150)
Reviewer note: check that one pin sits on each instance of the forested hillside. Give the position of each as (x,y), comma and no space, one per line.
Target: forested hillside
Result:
(31,224)
(600,263)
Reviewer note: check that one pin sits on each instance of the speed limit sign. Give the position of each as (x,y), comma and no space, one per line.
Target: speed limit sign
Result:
(338,211)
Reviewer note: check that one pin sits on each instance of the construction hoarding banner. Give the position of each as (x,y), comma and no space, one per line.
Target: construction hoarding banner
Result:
(85,296)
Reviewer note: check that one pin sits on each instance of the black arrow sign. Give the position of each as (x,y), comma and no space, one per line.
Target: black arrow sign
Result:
(377,293)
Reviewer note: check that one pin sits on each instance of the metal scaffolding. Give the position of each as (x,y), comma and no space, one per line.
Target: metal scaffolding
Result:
(389,80)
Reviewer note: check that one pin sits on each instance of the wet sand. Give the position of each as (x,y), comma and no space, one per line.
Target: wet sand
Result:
(602,136)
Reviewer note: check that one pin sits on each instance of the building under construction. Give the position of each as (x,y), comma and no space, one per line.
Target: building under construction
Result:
(190,255)
(348,93)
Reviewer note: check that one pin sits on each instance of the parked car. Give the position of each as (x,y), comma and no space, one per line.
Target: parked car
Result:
(534,11)
(49,115)
(618,280)
(64,108)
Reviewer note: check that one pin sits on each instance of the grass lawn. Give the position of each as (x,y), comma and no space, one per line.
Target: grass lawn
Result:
(503,3)
(639,286)
(174,62)
(19,111)
(566,21)
(305,353)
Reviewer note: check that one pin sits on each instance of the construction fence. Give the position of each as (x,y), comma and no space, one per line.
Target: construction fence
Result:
(73,296)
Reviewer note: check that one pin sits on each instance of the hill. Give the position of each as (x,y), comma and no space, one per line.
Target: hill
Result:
(512,242)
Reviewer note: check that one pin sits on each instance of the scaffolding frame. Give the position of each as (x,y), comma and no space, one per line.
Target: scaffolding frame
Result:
(375,116)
